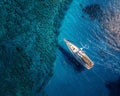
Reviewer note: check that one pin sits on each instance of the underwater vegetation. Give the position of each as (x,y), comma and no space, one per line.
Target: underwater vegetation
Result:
(28,39)
(94,11)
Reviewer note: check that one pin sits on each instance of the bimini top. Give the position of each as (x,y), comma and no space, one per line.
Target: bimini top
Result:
(79,55)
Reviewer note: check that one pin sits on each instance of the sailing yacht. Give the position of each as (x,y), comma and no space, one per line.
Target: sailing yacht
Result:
(79,55)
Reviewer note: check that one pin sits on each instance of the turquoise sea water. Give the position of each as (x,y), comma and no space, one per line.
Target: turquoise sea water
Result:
(32,60)
(103,78)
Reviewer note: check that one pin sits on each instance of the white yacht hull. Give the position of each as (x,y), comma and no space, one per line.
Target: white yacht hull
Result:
(79,55)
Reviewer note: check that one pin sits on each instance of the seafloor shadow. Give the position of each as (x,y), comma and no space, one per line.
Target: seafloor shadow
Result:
(71,60)
(114,87)
(94,11)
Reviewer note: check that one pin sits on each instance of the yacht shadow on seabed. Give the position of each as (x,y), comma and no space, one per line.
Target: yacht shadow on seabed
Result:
(71,60)
(114,87)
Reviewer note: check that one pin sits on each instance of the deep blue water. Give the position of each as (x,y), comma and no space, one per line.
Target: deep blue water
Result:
(71,81)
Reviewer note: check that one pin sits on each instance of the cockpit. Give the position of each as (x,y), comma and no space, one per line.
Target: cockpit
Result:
(74,49)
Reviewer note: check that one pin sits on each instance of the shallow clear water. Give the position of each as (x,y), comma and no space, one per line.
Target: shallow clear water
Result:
(68,80)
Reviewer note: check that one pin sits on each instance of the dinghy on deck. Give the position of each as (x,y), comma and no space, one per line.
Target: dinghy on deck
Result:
(79,55)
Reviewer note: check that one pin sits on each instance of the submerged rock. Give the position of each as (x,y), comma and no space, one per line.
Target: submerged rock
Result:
(28,40)
(94,11)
